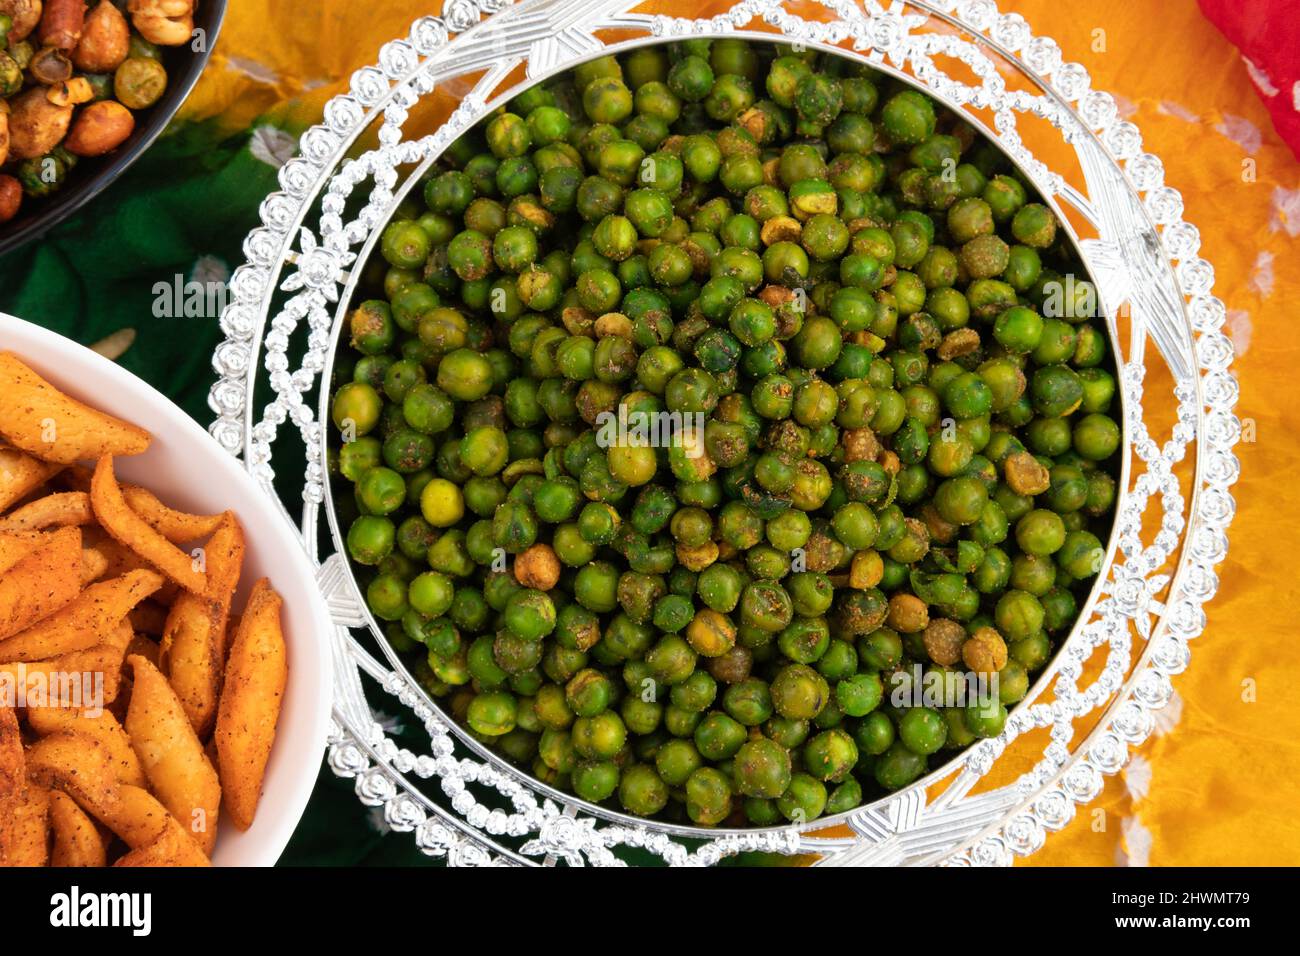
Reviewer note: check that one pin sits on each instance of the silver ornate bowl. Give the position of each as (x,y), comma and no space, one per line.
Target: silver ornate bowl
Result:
(289,303)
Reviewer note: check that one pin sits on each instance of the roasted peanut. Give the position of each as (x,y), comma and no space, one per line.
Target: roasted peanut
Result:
(11,195)
(165,22)
(105,40)
(36,125)
(99,127)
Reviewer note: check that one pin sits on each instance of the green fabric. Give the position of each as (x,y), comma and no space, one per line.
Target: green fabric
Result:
(192,195)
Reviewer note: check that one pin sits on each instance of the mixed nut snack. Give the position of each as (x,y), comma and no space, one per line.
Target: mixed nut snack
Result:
(718,396)
(70,77)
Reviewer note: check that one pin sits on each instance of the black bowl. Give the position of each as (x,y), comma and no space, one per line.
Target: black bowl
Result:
(92,175)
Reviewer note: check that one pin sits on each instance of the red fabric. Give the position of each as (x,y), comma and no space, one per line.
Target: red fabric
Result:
(1268,34)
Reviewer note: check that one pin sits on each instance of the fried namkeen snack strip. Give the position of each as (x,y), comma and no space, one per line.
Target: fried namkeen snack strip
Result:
(117,518)
(192,649)
(256,674)
(76,839)
(42,582)
(100,726)
(53,511)
(37,418)
(20,475)
(67,680)
(84,622)
(177,527)
(171,753)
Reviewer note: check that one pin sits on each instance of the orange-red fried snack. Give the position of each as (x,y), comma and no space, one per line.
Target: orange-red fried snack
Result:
(29,833)
(20,475)
(136,817)
(177,527)
(117,518)
(14,546)
(173,759)
(193,643)
(97,725)
(76,680)
(77,764)
(76,839)
(42,582)
(256,673)
(171,847)
(53,511)
(37,418)
(88,620)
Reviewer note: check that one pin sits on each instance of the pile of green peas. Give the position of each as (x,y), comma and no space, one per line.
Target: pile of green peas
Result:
(907,460)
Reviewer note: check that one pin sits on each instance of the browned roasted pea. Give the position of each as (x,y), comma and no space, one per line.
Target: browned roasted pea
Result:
(943,641)
(889,461)
(985,652)
(860,444)
(139,82)
(771,176)
(710,633)
(614,323)
(1025,474)
(105,40)
(754,122)
(11,196)
(36,125)
(733,666)
(940,530)
(867,570)
(907,614)
(538,567)
(775,295)
(62,22)
(958,342)
(781,229)
(697,558)
(577,320)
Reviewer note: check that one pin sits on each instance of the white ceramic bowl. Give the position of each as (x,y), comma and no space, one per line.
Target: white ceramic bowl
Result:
(187,469)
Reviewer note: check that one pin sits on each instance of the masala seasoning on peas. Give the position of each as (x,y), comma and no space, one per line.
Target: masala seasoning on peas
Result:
(904,466)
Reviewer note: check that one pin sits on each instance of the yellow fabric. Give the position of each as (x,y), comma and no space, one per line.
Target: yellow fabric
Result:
(1217,784)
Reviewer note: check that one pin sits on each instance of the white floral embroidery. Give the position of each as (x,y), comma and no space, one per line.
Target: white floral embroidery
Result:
(1180,111)
(1135,845)
(272,145)
(1242,132)
(251,68)
(1137,777)
(1168,717)
(1286,211)
(209,269)
(389,723)
(1261,278)
(1239,330)
(1260,78)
